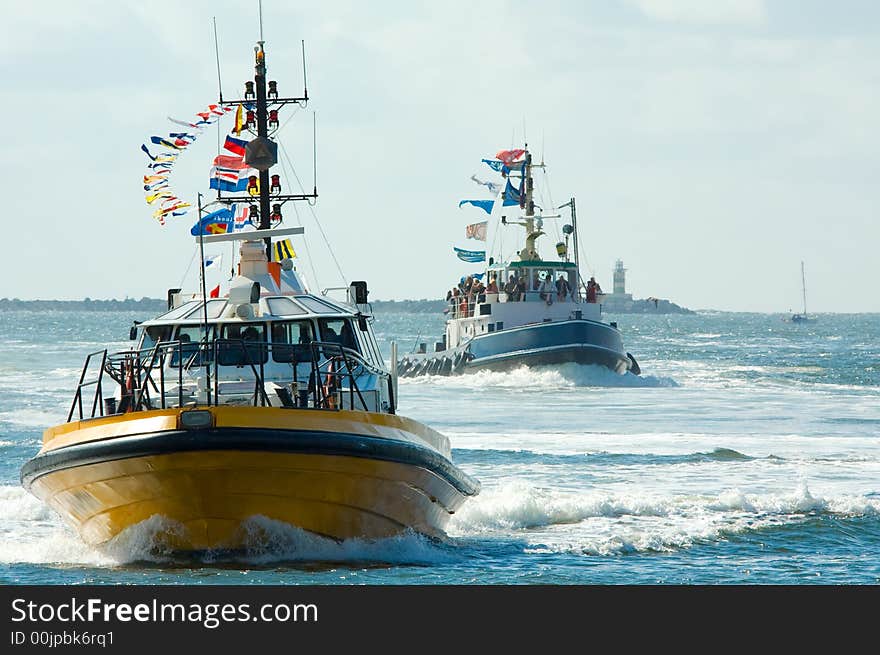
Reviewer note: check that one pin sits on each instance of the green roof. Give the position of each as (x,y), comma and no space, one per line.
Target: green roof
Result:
(534,264)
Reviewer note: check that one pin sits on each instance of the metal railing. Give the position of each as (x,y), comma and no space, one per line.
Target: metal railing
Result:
(466,306)
(321,375)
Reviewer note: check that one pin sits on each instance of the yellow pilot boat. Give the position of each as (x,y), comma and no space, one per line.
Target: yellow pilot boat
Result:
(266,402)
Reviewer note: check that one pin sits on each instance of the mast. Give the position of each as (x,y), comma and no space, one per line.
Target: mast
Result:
(804,287)
(262,133)
(261,152)
(529,253)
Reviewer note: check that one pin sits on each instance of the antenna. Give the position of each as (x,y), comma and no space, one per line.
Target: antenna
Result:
(217,55)
(543,143)
(261,19)
(305,81)
(315,152)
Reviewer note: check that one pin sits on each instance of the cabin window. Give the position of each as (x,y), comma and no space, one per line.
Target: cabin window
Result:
(318,306)
(290,340)
(338,330)
(177,312)
(284,307)
(153,335)
(190,336)
(214,309)
(242,344)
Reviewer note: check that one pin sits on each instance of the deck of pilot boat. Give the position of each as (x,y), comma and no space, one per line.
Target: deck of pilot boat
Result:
(267,343)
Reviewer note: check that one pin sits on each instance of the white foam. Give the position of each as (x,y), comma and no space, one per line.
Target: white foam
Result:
(31,533)
(272,541)
(525,378)
(522,505)
(603,522)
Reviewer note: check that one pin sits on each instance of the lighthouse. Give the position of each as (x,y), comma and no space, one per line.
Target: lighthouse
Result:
(619,278)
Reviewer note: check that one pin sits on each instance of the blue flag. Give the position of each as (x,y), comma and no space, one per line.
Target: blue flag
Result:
(485,205)
(218,222)
(511,195)
(494,164)
(471,256)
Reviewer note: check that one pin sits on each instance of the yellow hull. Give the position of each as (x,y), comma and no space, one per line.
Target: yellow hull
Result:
(362,476)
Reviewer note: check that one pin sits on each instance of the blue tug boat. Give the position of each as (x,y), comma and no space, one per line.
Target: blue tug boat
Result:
(531,312)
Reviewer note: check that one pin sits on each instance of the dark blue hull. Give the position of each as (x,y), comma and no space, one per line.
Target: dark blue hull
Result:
(562,342)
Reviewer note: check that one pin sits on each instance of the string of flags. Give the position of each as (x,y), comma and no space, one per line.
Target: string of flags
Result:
(163,153)
(505,162)
(229,172)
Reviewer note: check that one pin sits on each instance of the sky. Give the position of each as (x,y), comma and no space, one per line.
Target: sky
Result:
(712,146)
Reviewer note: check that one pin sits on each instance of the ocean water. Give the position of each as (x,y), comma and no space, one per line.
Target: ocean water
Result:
(748,452)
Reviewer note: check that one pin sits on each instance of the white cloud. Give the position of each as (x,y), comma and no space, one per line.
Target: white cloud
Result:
(705,12)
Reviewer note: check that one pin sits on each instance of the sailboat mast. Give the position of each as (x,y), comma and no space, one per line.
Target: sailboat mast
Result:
(804,287)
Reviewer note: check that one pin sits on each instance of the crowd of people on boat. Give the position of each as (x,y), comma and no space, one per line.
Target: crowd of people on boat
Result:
(470,290)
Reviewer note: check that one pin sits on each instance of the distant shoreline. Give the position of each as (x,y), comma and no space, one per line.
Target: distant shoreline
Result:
(157,305)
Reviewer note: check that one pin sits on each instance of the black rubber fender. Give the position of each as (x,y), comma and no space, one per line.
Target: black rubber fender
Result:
(634,367)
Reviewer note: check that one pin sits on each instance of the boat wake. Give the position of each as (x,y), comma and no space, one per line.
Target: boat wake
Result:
(536,519)
(607,523)
(529,378)
(270,542)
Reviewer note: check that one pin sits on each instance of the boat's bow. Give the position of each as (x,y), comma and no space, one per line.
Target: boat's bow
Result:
(208,471)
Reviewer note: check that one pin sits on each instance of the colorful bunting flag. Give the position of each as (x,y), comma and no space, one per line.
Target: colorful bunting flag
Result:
(159,141)
(283,250)
(213,261)
(239,123)
(234,145)
(161,212)
(156,183)
(242,215)
(217,222)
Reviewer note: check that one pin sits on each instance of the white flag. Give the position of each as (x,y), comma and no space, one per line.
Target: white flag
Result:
(476,231)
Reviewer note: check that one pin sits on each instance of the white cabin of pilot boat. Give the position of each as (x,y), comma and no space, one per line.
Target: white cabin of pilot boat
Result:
(269,342)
